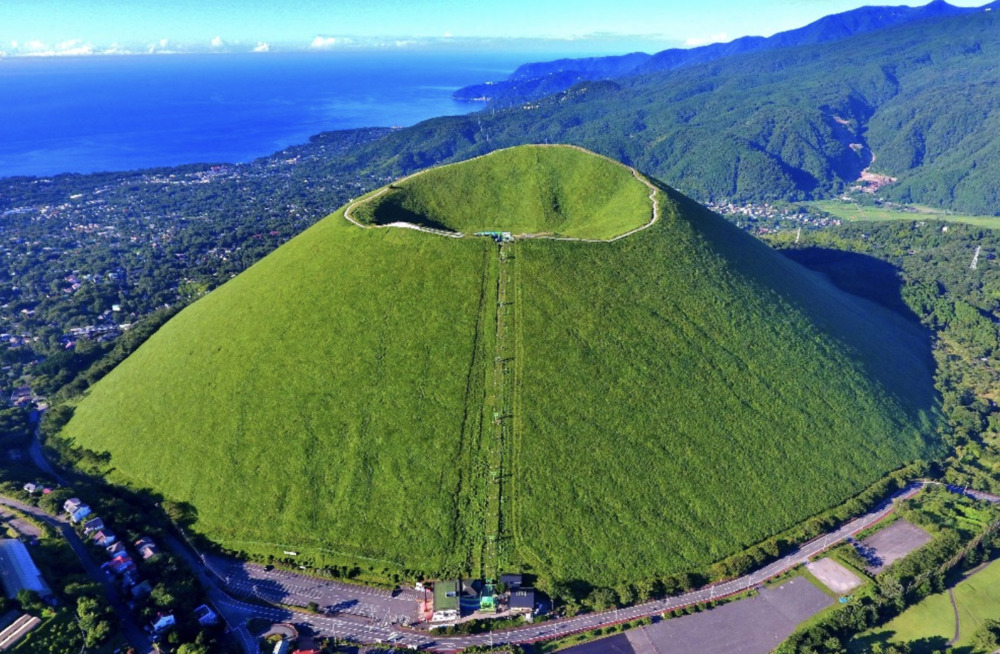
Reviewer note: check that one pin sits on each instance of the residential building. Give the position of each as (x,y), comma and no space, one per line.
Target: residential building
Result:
(80,513)
(92,525)
(147,548)
(72,504)
(522,600)
(446,601)
(511,581)
(104,537)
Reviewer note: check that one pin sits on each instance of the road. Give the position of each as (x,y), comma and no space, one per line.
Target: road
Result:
(38,457)
(133,633)
(369,615)
(229,579)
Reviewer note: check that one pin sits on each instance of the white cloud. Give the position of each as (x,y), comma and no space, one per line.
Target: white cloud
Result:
(447,35)
(115,49)
(405,44)
(323,42)
(74,47)
(217,42)
(262,47)
(694,42)
(13,44)
(163,43)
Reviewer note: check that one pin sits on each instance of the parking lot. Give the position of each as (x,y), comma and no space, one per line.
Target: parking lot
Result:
(891,544)
(750,626)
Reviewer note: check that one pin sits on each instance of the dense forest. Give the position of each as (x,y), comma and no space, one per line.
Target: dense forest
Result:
(948,277)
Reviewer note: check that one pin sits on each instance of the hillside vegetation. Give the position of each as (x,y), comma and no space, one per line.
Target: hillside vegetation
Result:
(525,190)
(606,412)
(530,81)
(316,400)
(686,392)
(916,102)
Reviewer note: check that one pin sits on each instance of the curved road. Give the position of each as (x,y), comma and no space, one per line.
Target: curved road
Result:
(225,584)
(225,580)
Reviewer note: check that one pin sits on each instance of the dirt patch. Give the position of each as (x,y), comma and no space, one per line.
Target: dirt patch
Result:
(834,576)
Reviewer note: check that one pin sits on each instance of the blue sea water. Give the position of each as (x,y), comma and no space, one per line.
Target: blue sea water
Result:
(91,114)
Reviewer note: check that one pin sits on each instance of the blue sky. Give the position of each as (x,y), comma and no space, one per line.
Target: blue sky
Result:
(580,26)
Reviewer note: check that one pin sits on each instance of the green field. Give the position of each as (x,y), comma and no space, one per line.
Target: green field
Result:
(592,411)
(673,413)
(933,619)
(526,190)
(852,211)
(318,399)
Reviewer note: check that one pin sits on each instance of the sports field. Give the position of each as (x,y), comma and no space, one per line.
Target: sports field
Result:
(852,211)
(933,619)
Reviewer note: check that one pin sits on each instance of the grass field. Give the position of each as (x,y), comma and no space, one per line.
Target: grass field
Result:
(331,383)
(58,633)
(677,412)
(597,411)
(526,190)
(851,211)
(933,619)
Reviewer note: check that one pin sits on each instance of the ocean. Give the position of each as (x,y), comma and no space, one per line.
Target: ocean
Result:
(87,114)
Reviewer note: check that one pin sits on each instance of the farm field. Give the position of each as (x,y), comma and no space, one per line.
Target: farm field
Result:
(404,403)
(933,619)
(851,211)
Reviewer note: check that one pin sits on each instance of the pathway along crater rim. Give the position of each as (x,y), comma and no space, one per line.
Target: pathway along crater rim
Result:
(654,194)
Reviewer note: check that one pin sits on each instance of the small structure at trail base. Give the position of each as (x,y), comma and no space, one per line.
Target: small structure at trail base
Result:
(499,237)
(487,600)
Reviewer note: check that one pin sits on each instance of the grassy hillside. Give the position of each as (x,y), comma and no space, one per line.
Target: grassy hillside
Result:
(598,411)
(317,399)
(526,190)
(686,393)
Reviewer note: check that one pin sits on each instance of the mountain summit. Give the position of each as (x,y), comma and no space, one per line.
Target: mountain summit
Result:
(390,400)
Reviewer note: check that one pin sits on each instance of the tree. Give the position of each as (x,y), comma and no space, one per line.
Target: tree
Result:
(192,648)
(601,599)
(29,600)
(987,636)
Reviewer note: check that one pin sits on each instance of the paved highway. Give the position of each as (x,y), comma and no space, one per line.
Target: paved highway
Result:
(240,590)
(377,619)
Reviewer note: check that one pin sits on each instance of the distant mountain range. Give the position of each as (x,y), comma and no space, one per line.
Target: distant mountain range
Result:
(915,105)
(536,80)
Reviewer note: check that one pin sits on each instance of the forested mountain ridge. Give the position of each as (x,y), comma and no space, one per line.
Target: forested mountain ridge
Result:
(535,80)
(914,102)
